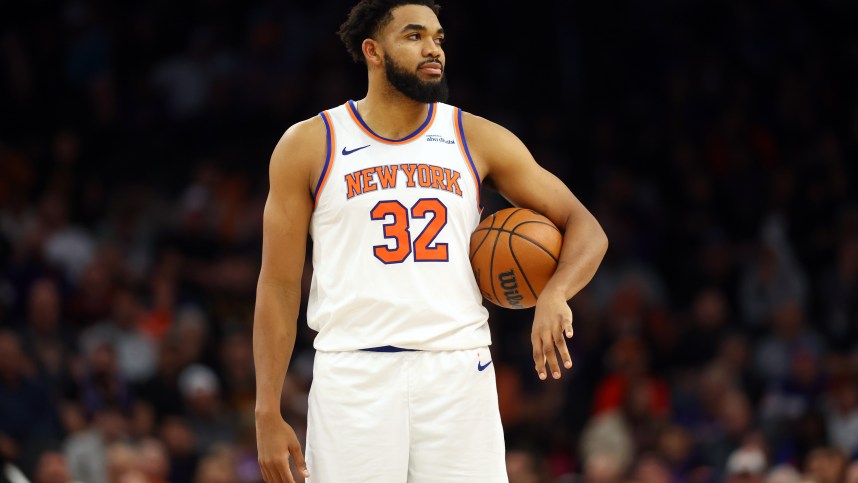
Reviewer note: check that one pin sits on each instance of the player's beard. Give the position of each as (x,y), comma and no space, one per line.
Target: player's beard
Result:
(412,87)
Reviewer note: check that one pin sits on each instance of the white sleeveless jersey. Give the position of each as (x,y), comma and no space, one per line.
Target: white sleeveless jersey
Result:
(391,229)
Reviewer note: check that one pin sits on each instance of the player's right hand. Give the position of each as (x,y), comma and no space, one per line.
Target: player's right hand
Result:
(552,321)
(275,442)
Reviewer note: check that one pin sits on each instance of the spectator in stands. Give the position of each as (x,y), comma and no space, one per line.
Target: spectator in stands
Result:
(179,440)
(825,465)
(838,291)
(136,352)
(67,245)
(603,467)
(841,416)
(162,389)
(706,329)
(789,336)
(236,359)
(205,411)
(799,392)
(52,468)
(87,452)
(216,469)
(772,278)
(158,319)
(122,463)
(47,335)
(678,455)
(152,460)
(783,474)
(650,468)
(524,467)
(28,417)
(851,473)
(629,365)
(746,465)
(735,420)
(102,384)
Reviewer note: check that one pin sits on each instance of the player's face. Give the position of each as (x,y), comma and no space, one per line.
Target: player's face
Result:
(414,61)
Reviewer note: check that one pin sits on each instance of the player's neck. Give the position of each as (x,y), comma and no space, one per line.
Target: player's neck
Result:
(390,114)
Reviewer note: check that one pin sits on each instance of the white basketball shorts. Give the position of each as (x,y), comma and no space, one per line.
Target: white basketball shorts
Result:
(397,417)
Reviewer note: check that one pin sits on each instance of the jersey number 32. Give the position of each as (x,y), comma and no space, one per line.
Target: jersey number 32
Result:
(397,230)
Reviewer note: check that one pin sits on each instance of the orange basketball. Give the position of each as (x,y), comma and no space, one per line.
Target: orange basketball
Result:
(513,254)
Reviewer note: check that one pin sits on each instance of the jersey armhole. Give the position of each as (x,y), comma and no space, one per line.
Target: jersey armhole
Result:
(330,142)
(466,154)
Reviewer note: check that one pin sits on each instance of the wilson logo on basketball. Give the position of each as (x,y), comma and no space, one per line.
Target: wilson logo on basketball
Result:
(509,284)
(519,248)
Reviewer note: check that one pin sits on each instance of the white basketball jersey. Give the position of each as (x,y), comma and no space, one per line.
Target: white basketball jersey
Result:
(391,230)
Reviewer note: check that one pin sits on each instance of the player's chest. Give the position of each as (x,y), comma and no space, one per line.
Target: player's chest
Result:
(424,168)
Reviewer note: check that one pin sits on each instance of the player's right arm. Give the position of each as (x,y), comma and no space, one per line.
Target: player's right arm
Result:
(296,160)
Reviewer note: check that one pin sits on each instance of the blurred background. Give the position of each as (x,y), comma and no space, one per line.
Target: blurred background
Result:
(715,141)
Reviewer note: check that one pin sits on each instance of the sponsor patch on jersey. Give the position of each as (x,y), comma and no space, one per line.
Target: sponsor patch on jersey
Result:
(439,139)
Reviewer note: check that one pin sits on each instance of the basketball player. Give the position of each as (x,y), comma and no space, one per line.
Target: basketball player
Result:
(388,187)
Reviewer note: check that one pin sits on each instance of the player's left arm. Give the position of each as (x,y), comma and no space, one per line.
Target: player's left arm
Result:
(503,159)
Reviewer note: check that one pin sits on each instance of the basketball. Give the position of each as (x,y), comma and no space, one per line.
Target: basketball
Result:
(513,254)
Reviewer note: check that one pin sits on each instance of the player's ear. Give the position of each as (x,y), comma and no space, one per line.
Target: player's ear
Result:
(372,52)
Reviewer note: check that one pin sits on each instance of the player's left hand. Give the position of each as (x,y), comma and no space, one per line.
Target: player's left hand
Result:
(552,325)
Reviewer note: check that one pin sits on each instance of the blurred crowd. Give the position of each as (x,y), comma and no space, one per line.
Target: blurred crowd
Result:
(718,341)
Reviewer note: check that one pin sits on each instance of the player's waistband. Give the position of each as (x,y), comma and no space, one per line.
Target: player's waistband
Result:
(389,348)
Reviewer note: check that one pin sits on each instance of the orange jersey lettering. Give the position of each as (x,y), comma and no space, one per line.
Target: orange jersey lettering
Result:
(353,185)
(409,170)
(437,177)
(387,176)
(453,181)
(368,184)
(423,176)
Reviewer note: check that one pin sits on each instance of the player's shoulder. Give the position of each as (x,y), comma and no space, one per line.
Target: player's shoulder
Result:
(486,136)
(303,143)
(307,131)
(491,145)
(478,128)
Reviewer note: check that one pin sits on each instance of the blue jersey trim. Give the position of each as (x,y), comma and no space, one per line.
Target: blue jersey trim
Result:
(406,138)
(328,155)
(461,128)
(388,348)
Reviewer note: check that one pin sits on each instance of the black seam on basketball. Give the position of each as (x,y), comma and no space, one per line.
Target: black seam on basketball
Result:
(488,232)
(521,270)
(537,244)
(547,252)
(532,241)
(492,265)
(525,222)
(522,223)
(494,248)
(510,216)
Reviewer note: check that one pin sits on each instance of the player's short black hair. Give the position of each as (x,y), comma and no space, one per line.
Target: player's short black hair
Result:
(368,17)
